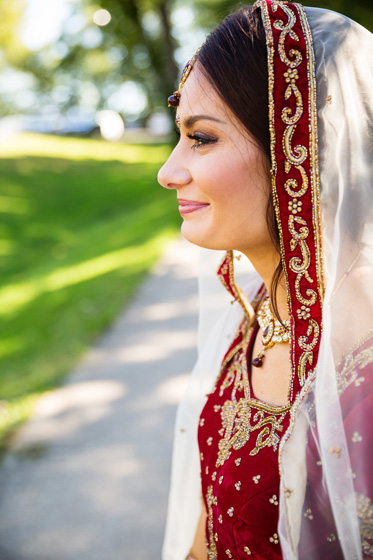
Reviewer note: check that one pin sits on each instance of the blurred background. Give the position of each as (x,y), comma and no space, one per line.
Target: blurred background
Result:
(84,127)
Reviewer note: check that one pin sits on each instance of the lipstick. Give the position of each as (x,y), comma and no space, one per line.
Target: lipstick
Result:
(190,206)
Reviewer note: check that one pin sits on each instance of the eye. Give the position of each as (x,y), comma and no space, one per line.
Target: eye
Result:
(201,140)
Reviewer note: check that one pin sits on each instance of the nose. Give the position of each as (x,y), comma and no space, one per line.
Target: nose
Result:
(174,174)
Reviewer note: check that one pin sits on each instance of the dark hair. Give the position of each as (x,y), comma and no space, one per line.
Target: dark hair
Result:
(234,60)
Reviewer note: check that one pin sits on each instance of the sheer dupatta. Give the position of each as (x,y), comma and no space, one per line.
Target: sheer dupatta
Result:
(326,506)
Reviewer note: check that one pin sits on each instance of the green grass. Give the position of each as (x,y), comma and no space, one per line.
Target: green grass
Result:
(82,222)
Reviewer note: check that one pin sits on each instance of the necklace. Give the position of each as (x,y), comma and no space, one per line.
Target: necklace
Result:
(273,330)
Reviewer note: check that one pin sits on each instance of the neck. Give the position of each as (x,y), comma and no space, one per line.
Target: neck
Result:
(265,264)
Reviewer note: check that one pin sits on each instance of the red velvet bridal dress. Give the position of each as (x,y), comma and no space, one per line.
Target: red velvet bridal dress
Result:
(239,441)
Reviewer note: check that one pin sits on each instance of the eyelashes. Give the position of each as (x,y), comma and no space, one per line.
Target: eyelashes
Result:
(201,140)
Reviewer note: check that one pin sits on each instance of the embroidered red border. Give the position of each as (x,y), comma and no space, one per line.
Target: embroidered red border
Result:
(295,179)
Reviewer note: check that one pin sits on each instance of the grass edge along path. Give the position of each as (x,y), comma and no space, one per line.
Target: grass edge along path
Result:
(83,222)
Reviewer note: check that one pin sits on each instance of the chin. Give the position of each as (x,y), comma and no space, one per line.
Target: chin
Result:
(202,239)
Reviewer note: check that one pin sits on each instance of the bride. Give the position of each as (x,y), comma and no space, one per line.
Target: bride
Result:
(273,446)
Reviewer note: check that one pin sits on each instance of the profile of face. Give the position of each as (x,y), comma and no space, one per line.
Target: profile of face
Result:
(219,173)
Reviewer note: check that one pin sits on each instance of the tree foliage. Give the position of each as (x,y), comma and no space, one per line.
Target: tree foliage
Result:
(12,48)
(139,45)
(211,12)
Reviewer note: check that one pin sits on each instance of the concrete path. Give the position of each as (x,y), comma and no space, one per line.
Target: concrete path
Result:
(87,478)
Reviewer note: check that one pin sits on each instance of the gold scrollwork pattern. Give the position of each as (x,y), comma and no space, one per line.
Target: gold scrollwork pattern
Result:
(287,30)
(295,157)
(294,183)
(295,171)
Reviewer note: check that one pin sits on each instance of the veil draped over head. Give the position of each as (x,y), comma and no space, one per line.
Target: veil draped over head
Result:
(320,106)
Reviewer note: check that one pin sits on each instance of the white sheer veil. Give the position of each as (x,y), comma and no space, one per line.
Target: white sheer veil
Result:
(344,74)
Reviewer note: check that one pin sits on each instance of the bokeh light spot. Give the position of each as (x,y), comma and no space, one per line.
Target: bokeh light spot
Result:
(111,125)
(101,17)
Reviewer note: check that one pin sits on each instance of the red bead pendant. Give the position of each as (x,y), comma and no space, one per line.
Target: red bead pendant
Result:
(173,100)
(258,361)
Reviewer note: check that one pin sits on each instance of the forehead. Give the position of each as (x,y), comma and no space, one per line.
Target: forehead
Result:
(199,97)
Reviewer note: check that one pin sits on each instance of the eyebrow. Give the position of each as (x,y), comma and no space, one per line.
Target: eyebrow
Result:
(190,121)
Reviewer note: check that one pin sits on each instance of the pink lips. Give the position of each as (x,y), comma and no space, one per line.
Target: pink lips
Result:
(189,206)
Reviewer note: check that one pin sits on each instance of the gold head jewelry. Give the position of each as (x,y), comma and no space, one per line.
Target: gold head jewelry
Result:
(173,100)
(274,332)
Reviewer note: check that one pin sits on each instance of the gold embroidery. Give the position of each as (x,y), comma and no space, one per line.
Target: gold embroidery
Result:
(336,451)
(239,295)
(302,234)
(312,327)
(274,500)
(247,550)
(295,206)
(331,537)
(311,294)
(256,479)
(228,379)
(211,500)
(274,539)
(230,512)
(287,30)
(304,312)
(306,357)
(238,462)
(308,514)
(238,485)
(353,361)
(240,418)
(293,183)
(356,437)
(350,474)
(301,180)
(365,514)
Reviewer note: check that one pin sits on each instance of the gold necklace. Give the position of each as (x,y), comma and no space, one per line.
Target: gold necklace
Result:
(274,332)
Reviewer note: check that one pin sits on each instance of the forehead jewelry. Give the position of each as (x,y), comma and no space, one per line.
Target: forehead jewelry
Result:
(273,331)
(173,100)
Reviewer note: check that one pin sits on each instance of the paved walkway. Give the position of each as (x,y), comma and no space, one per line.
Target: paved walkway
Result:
(87,478)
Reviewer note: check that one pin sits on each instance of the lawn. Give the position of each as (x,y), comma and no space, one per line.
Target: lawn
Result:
(82,223)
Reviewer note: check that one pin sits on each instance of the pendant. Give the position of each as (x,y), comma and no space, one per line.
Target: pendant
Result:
(258,361)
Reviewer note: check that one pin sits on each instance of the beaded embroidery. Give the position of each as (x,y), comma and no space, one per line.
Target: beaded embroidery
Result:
(295,179)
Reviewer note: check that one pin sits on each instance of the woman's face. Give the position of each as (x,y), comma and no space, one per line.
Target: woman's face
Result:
(219,174)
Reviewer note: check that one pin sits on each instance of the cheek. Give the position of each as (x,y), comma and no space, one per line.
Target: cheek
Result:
(237,187)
